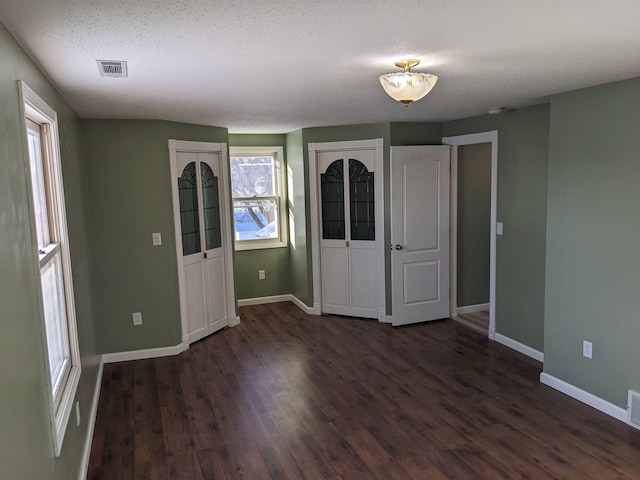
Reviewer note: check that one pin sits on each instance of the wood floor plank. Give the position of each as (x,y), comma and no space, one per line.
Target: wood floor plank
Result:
(286,395)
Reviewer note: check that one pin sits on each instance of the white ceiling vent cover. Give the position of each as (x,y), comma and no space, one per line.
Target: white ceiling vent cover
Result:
(633,409)
(112,68)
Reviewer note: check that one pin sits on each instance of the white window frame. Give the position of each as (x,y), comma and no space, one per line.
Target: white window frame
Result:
(280,197)
(36,110)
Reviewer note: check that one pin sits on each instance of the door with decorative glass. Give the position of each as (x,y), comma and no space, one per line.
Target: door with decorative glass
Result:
(203,238)
(348,243)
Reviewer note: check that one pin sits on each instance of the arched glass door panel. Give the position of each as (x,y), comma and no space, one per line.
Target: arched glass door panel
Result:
(332,199)
(362,201)
(210,207)
(189,215)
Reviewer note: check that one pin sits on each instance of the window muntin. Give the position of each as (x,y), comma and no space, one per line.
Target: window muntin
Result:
(56,300)
(258,197)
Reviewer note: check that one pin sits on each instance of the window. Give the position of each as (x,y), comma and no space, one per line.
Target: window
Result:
(258,197)
(54,265)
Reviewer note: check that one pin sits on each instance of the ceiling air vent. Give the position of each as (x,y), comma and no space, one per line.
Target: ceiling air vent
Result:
(112,68)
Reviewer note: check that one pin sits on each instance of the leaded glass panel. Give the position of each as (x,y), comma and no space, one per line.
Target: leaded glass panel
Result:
(332,198)
(210,207)
(362,201)
(189,221)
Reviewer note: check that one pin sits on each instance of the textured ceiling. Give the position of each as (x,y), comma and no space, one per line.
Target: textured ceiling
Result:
(273,66)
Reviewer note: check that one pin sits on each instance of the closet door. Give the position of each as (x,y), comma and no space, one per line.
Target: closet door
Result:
(203,259)
(348,260)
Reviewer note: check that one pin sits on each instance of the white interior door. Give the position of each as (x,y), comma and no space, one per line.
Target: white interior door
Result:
(420,233)
(348,243)
(202,238)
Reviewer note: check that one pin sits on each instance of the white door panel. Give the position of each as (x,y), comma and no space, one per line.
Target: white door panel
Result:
(203,239)
(335,278)
(363,280)
(348,254)
(197,319)
(420,233)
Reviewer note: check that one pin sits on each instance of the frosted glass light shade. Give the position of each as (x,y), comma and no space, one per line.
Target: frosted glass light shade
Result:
(407,87)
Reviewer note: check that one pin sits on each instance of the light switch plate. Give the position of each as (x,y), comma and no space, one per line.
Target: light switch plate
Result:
(499,228)
(157,239)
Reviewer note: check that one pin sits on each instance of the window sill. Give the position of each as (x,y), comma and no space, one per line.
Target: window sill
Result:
(259,246)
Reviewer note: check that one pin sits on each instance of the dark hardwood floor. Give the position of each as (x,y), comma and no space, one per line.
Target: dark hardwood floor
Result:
(287,395)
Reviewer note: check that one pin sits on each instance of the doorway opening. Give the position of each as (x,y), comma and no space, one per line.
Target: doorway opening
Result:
(474,182)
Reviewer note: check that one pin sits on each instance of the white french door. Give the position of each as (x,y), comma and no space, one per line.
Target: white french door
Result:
(420,233)
(202,227)
(349,240)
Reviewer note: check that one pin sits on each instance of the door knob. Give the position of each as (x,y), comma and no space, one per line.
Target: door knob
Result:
(398,247)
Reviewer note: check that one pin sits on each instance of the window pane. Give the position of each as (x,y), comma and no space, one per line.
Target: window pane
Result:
(189,220)
(332,200)
(37,184)
(255,219)
(361,199)
(253,176)
(210,207)
(55,316)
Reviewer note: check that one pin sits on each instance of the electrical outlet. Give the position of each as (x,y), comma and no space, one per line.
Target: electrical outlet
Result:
(137,318)
(78,413)
(156,238)
(261,275)
(587,349)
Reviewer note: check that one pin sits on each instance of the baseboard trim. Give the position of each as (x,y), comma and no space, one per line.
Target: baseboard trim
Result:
(480,307)
(315,310)
(519,347)
(143,354)
(384,318)
(261,300)
(585,397)
(93,413)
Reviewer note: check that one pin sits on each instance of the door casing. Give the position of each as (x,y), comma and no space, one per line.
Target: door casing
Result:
(225,218)
(314,200)
(471,139)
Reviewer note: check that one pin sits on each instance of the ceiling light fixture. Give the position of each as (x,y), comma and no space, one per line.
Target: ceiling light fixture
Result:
(407,87)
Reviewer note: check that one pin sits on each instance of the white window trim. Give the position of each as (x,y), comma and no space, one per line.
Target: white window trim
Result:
(37,109)
(278,154)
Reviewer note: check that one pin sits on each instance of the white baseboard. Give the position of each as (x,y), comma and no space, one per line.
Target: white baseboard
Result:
(585,397)
(315,310)
(480,307)
(142,354)
(384,318)
(519,347)
(91,418)
(262,300)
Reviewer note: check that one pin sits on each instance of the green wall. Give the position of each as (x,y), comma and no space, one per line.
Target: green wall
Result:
(296,204)
(523,137)
(26,442)
(130,198)
(593,239)
(275,261)
(474,224)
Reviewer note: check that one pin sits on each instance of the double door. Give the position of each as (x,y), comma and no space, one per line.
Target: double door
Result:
(348,243)
(203,238)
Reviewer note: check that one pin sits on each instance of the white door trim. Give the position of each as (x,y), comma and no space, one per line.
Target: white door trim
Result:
(474,138)
(314,208)
(225,209)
